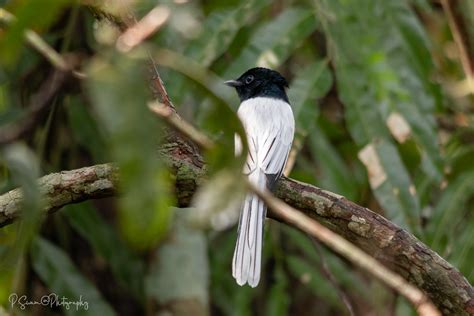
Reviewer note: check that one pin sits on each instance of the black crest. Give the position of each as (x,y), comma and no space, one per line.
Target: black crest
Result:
(260,82)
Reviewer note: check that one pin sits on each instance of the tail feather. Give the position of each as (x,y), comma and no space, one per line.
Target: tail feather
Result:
(246,264)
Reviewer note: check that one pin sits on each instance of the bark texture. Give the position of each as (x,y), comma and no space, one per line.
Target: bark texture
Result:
(380,238)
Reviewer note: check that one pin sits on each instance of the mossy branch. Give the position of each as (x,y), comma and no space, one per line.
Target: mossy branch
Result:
(385,241)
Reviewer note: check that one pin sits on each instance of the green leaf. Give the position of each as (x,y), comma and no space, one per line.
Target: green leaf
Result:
(380,54)
(460,159)
(310,277)
(226,294)
(302,242)
(397,64)
(120,100)
(278,301)
(449,212)
(27,13)
(219,30)
(311,84)
(62,278)
(180,269)
(416,47)
(219,119)
(463,257)
(273,43)
(218,202)
(23,168)
(85,129)
(391,184)
(404,308)
(333,170)
(340,269)
(7,281)
(126,266)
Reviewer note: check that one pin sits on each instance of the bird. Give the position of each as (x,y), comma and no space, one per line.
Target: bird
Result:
(269,125)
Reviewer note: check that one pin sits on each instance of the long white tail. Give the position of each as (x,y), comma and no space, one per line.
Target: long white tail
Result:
(246,264)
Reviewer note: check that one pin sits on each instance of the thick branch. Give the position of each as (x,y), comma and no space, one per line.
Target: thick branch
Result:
(358,257)
(385,241)
(62,188)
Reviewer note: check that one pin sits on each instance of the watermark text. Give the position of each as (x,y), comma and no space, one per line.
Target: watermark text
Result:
(50,300)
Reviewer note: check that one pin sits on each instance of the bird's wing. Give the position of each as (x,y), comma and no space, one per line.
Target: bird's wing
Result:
(269,126)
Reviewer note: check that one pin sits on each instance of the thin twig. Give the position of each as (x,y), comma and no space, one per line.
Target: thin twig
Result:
(330,277)
(173,119)
(298,142)
(159,85)
(444,283)
(41,46)
(44,49)
(135,34)
(142,29)
(458,39)
(337,243)
(334,241)
(301,221)
(38,104)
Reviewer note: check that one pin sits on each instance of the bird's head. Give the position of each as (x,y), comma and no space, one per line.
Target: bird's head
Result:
(260,82)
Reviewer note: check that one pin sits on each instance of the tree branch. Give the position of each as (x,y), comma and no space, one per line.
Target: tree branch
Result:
(371,232)
(63,188)
(326,270)
(339,244)
(393,246)
(291,216)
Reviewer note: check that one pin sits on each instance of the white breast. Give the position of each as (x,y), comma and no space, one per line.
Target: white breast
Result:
(269,125)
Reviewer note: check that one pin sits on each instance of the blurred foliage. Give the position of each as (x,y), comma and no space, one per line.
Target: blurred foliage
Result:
(372,85)
(126,120)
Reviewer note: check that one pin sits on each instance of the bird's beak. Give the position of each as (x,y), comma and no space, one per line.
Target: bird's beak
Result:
(233,83)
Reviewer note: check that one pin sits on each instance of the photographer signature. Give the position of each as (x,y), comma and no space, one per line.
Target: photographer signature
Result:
(51,300)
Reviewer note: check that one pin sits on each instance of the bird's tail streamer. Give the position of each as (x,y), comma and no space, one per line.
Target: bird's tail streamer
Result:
(246,264)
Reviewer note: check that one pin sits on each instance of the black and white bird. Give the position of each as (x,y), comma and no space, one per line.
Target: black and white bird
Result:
(269,125)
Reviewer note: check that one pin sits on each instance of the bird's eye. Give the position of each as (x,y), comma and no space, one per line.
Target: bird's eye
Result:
(249,79)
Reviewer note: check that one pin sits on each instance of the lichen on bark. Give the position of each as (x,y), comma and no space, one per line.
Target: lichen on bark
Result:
(374,234)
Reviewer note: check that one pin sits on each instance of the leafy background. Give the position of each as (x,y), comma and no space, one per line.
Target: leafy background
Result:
(354,67)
